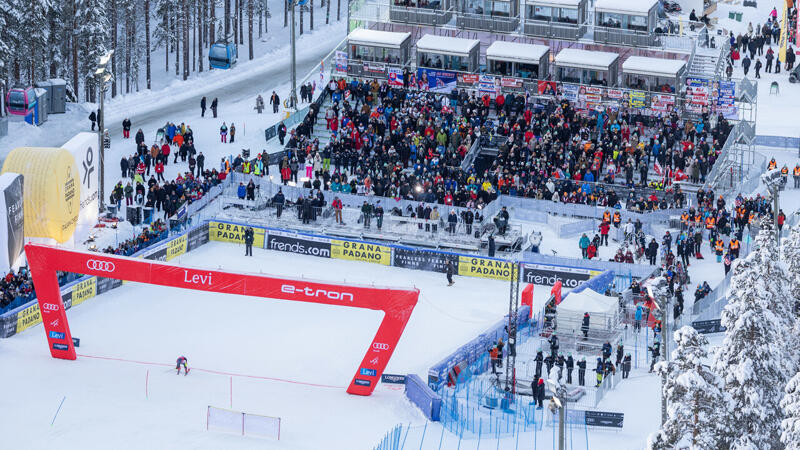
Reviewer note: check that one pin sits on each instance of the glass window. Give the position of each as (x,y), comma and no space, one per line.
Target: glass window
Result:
(566,15)
(474,7)
(530,71)
(501,68)
(610,20)
(16,100)
(570,74)
(501,9)
(638,23)
(542,13)
(595,77)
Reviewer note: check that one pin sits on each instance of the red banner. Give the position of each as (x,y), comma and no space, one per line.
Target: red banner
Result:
(44,261)
(546,87)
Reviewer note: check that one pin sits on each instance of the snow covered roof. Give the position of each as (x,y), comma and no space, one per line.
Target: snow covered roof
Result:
(446,45)
(644,65)
(585,59)
(555,3)
(635,7)
(516,52)
(363,36)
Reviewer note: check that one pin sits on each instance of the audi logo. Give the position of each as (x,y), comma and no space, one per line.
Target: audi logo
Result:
(50,307)
(100,266)
(380,346)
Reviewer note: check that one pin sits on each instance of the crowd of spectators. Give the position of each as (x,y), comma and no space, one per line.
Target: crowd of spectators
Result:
(393,142)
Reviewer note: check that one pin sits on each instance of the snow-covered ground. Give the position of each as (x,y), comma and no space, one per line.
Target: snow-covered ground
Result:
(268,349)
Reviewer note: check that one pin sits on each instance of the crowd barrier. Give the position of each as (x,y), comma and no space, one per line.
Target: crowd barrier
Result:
(423,397)
(778,141)
(86,287)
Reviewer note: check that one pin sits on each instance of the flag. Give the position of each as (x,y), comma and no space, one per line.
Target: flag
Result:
(659,170)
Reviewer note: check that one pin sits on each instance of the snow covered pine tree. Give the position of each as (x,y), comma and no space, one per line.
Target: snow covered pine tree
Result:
(753,357)
(694,394)
(790,426)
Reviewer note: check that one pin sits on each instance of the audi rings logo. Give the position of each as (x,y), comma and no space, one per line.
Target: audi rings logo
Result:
(50,307)
(380,346)
(100,266)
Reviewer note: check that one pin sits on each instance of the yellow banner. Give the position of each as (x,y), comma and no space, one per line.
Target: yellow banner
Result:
(176,247)
(784,36)
(28,317)
(484,268)
(359,251)
(83,290)
(228,232)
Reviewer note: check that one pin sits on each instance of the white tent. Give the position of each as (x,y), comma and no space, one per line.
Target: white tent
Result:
(603,312)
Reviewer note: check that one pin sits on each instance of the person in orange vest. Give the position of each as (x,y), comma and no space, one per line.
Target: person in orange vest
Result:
(684,220)
(796,176)
(719,247)
(733,248)
(607,216)
(772,164)
(617,219)
(710,222)
(785,174)
(494,356)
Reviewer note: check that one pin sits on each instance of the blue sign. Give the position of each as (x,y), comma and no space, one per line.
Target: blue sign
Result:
(368,372)
(360,382)
(61,346)
(393,379)
(56,335)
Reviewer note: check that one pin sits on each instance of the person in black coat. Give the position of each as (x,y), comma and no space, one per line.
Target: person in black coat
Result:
(249,237)
(582,372)
(214,104)
(553,345)
(123,164)
(652,252)
(203,107)
(538,393)
(93,118)
(585,325)
(655,350)
(626,366)
(606,350)
(539,359)
(548,363)
(570,368)
(620,353)
(139,138)
(281,132)
(492,247)
(126,128)
(275,101)
(560,362)
(278,200)
(449,269)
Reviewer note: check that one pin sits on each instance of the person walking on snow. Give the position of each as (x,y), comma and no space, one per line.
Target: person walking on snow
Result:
(214,107)
(233,132)
(275,101)
(203,107)
(223,133)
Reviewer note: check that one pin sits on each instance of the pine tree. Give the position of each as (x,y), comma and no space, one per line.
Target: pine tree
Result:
(147,41)
(92,35)
(753,357)
(694,395)
(5,38)
(790,426)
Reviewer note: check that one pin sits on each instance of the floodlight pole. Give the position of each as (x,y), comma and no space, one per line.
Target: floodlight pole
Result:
(293,94)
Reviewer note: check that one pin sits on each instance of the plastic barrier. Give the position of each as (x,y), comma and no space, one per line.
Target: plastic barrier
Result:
(423,396)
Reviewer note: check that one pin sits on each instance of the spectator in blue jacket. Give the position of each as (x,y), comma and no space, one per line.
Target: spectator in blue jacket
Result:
(241,192)
(584,244)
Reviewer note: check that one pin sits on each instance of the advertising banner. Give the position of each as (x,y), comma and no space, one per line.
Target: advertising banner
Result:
(708,326)
(283,241)
(176,247)
(197,237)
(375,68)
(662,102)
(615,94)
(547,88)
(434,80)
(697,94)
(570,277)
(229,232)
(570,92)
(726,100)
(340,61)
(637,99)
(28,317)
(409,258)
(474,266)
(83,148)
(468,78)
(12,214)
(361,251)
(84,290)
(604,419)
(510,82)
(395,76)
(488,84)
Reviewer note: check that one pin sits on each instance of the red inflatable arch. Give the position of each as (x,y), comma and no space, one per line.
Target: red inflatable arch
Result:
(44,261)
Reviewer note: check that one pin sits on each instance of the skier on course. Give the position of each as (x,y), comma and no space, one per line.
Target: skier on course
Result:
(182,361)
